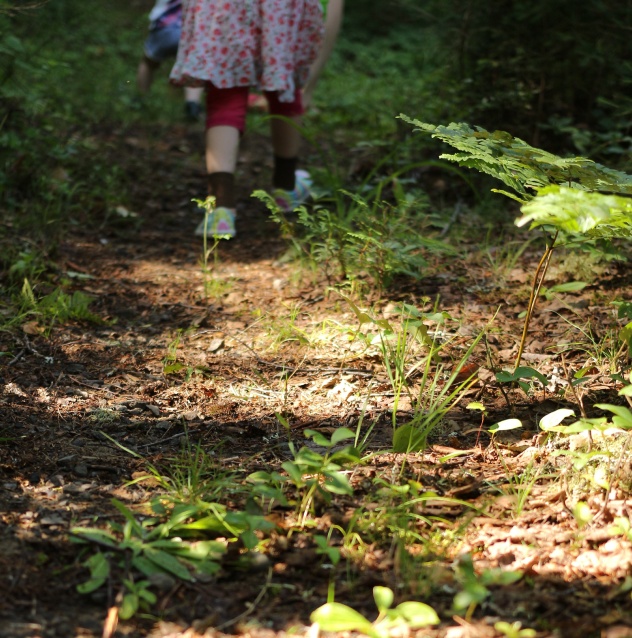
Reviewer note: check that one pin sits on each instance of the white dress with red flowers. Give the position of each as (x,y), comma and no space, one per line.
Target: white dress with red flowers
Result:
(267,44)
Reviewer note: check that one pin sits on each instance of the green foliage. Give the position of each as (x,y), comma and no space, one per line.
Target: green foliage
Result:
(476,586)
(581,214)
(174,543)
(55,307)
(320,475)
(378,239)
(519,375)
(555,71)
(145,547)
(524,168)
(408,351)
(336,617)
(559,195)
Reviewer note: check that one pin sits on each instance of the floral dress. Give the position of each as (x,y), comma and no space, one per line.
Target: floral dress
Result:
(268,44)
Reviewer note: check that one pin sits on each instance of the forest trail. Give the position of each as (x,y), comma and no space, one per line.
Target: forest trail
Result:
(222,356)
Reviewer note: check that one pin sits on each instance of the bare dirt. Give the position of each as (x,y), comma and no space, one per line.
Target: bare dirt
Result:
(72,399)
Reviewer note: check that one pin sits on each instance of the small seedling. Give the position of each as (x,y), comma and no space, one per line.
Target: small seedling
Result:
(336,617)
(475,586)
(514,630)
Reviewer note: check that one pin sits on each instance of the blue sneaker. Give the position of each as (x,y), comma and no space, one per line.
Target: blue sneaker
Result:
(288,201)
(218,223)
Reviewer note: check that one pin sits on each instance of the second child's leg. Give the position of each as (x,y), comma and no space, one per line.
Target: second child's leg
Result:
(225,122)
(291,186)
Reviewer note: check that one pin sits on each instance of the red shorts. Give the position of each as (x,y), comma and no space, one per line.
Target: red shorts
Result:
(228,107)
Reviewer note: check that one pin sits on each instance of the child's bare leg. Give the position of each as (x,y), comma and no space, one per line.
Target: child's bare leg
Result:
(222,147)
(145,74)
(193,94)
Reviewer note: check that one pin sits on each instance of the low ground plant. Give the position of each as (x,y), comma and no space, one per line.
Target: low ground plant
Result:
(575,201)
(410,353)
(336,617)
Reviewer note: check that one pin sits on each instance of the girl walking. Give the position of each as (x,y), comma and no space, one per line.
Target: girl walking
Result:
(228,47)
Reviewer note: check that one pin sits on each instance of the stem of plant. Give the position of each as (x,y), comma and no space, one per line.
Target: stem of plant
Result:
(538,280)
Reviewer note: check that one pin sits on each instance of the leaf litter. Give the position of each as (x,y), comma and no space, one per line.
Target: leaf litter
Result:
(85,410)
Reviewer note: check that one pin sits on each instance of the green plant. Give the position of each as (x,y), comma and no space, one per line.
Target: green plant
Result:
(147,547)
(378,239)
(518,376)
(55,307)
(411,359)
(476,586)
(320,475)
(214,287)
(396,514)
(284,329)
(172,365)
(336,617)
(514,630)
(574,200)
(191,476)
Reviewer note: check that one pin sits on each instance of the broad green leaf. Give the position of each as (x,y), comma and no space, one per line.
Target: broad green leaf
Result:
(93,534)
(146,567)
(129,606)
(501,576)
(555,418)
(201,550)
(249,539)
(526,372)
(337,617)
(318,438)
(407,438)
(168,562)
(626,391)
(583,425)
(99,571)
(337,483)
(473,593)
(383,597)
(624,414)
(295,473)
(418,614)
(145,594)
(341,434)
(171,368)
(571,286)
(522,372)
(507,424)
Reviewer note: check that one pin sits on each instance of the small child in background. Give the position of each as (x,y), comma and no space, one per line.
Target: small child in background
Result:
(229,47)
(165,24)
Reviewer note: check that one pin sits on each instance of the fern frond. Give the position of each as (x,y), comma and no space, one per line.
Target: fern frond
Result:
(578,212)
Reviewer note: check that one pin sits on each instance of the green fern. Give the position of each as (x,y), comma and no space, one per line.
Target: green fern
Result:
(573,197)
(524,168)
(579,213)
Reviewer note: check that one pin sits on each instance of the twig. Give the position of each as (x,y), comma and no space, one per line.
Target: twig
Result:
(614,474)
(251,606)
(453,218)
(538,280)
(362,373)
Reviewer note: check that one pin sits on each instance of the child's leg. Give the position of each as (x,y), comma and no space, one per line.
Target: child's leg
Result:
(286,138)
(145,73)
(225,122)
(159,45)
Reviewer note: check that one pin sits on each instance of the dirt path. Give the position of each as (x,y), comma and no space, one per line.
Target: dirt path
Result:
(255,338)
